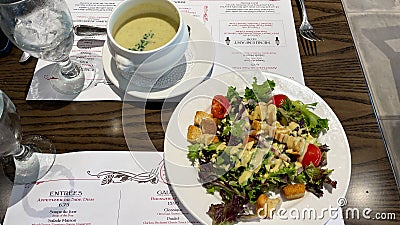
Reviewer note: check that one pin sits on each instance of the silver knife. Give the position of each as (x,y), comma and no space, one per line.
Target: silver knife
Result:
(85,30)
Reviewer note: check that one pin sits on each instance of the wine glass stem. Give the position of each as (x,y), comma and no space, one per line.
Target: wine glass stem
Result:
(69,69)
(24,153)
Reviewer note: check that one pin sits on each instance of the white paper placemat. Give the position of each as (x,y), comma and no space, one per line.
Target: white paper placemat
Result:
(102,187)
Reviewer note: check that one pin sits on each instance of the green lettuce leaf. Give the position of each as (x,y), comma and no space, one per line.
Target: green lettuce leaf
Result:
(300,113)
(260,92)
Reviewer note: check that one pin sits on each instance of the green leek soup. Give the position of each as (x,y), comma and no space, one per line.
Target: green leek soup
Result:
(146,32)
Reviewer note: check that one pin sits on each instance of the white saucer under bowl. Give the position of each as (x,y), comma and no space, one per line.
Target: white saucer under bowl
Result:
(198,64)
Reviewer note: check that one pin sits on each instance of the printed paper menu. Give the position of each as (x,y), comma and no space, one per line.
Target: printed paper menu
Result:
(261,31)
(114,188)
(102,188)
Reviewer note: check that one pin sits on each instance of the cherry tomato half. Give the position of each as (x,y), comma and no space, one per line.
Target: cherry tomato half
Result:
(219,107)
(313,155)
(279,99)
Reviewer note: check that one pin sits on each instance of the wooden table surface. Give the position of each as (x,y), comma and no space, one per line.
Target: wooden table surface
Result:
(335,74)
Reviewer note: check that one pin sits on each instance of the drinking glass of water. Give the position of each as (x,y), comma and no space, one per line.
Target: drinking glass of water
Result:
(32,156)
(44,29)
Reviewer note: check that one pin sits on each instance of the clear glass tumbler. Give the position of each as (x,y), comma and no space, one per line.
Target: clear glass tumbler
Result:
(44,29)
(32,156)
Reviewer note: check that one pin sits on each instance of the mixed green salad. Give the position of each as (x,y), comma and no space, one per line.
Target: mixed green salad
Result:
(255,145)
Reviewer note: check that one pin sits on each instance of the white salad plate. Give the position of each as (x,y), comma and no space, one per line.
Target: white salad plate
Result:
(183,176)
(199,63)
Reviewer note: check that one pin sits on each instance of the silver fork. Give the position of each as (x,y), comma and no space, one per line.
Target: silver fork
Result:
(306,30)
(309,47)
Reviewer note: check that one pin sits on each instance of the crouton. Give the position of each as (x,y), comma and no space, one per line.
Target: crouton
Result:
(269,204)
(193,134)
(260,204)
(294,191)
(200,115)
(207,139)
(208,126)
